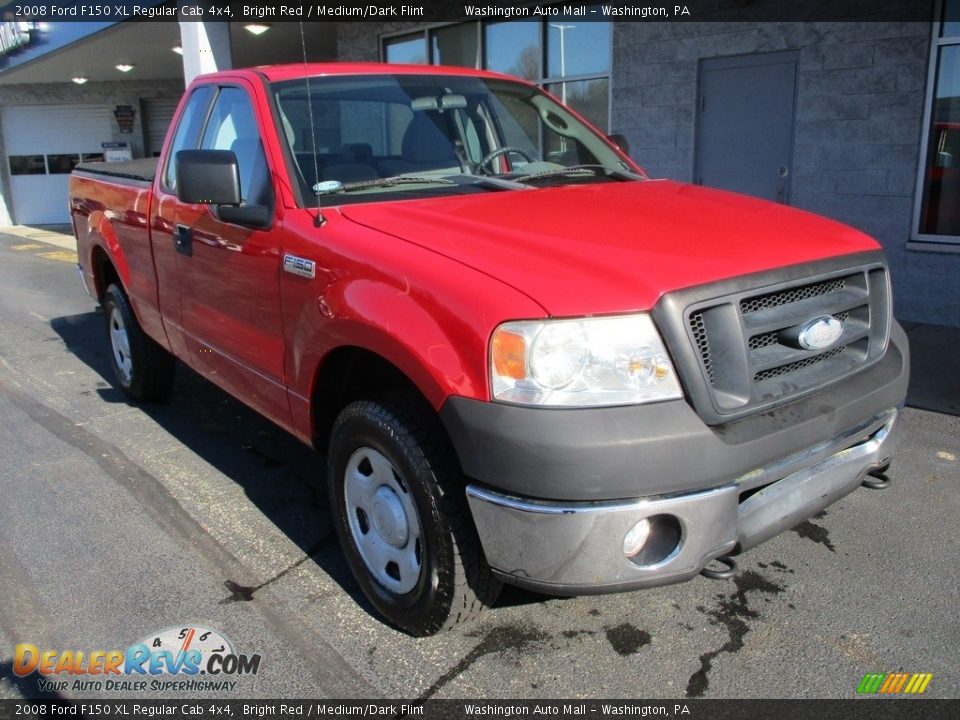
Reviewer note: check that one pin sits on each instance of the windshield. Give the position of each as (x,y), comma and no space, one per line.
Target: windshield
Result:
(381,137)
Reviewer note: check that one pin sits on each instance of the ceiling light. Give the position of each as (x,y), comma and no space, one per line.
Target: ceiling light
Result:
(177,49)
(124,67)
(256,28)
(80,79)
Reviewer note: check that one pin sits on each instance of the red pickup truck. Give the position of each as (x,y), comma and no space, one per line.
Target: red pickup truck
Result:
(524,360)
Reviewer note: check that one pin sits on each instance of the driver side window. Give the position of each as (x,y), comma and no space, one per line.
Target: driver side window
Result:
(191,121)
(233,126)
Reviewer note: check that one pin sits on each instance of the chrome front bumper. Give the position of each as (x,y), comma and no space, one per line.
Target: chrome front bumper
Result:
(577,548)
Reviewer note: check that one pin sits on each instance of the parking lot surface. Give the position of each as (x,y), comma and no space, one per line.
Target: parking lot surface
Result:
(119,522)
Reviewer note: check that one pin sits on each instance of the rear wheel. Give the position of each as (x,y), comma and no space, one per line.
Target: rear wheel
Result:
(143,369)
(402,518)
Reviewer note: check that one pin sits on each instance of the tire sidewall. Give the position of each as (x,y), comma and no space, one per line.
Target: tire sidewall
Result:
(429,602)
(114,299)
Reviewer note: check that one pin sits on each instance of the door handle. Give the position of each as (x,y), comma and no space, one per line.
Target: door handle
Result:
(183,240)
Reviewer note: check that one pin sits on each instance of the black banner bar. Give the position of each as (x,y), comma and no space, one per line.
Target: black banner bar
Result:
(430,11)
(860,709)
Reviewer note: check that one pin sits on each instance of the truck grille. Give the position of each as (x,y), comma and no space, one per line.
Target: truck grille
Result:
(736,342)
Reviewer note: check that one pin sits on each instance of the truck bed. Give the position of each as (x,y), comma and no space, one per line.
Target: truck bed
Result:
(144,169)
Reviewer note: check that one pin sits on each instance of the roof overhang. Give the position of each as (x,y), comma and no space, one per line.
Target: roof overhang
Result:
(148,46)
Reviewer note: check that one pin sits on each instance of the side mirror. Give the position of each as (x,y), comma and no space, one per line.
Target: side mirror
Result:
(208,177)
(620,141)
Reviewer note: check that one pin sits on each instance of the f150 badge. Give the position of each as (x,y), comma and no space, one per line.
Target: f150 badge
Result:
(299,266)
(820,333)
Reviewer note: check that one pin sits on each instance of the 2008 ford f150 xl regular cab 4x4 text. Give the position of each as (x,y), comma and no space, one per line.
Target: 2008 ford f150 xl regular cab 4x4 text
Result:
(524,360)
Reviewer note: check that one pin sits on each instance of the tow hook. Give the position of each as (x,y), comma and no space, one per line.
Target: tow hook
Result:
(730,571)
(877,478)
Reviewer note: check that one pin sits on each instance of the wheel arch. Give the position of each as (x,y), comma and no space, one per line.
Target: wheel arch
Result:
(348,373)
(104,271)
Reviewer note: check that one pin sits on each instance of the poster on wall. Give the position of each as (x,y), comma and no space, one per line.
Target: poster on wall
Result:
(124,115)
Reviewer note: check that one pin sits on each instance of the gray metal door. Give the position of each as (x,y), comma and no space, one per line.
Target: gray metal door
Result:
(745,121)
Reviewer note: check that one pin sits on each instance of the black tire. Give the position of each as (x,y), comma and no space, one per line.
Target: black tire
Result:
(453,582)
(143,369)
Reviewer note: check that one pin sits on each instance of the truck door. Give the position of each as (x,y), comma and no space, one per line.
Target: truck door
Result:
(229,273)
(163,214)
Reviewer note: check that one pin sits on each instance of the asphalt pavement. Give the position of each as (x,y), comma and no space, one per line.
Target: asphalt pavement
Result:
(118,522)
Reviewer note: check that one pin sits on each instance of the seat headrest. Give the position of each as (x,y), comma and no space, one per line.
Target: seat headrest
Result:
(357,152)
(424,142)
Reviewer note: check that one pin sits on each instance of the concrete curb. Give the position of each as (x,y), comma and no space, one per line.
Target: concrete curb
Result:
(59,236)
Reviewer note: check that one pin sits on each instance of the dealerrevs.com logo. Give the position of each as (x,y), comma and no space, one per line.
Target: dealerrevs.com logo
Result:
(173,659)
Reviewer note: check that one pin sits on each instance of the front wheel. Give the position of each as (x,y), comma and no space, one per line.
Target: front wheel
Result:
(401,514)
(143,369)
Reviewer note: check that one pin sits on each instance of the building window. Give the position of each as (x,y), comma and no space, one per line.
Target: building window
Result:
(938,202)
(514,48)
(578,67)
(62,164)
(27,165)
(407,49)
(565,55)
(455,45)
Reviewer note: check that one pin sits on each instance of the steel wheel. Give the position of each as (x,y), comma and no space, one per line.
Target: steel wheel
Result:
(401,514)
(144,370)
(383,520)
(120,345)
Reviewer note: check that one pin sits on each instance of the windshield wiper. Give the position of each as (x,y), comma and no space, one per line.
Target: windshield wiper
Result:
(391,181)
(575,170)
(496,183)
(332,187)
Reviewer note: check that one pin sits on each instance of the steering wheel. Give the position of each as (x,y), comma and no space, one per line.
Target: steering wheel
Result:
(494,154)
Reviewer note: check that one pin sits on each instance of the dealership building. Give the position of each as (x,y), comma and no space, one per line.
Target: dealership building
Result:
(857,118)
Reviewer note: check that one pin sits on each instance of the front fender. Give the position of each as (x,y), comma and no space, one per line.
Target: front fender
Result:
(428,315)
(441,349)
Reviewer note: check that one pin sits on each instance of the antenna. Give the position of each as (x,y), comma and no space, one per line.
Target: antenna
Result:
(319,220)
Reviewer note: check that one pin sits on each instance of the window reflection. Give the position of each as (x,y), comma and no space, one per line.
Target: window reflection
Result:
(940,211)
(951,19)
(62,164)
(590,98)
(27,165)
(409,49)
(455,45)
(577,48)
(514,48)
(574,48)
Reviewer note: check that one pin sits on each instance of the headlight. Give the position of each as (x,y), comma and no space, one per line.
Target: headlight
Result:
(587,362)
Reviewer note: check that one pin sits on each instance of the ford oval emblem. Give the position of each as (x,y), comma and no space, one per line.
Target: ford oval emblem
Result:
(820,333)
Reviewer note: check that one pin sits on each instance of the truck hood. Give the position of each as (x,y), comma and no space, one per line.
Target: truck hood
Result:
(611,247)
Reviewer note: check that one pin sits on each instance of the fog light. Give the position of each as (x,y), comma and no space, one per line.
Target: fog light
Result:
(653,540)
(635,538)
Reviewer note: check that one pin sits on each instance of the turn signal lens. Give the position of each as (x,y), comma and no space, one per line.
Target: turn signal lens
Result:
(509,354)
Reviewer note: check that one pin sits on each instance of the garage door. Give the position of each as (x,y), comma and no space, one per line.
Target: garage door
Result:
(157,116)
(43,143)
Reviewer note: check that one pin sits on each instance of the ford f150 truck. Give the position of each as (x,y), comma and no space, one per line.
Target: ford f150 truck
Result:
(524,360)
